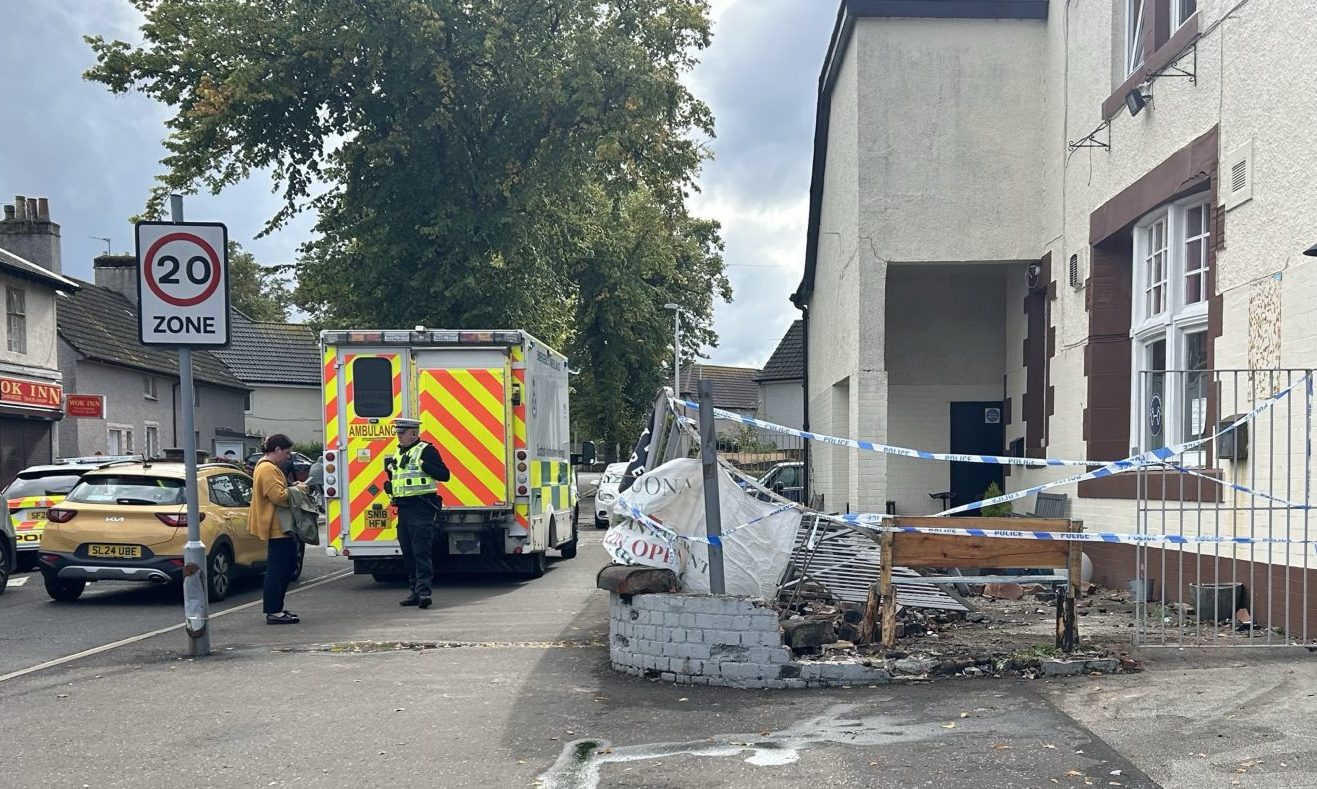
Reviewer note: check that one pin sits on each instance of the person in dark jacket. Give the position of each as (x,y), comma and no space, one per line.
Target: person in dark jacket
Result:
(414,472)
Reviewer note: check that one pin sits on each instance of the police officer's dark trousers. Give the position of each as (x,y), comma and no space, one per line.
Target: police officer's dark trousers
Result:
(417,517)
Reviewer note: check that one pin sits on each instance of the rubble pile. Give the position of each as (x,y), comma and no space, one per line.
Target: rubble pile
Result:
(1010,631)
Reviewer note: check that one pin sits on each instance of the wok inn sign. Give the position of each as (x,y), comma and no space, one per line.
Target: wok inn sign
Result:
(34,394)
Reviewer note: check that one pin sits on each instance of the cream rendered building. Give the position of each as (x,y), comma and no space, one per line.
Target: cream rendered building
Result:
(1034,207)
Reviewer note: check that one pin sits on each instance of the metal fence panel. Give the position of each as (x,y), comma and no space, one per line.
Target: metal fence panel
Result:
(1251,481)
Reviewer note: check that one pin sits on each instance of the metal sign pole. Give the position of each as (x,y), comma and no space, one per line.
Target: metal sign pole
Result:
(713,525)
(195,608)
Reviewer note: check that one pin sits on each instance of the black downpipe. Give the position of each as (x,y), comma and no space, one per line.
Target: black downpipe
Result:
(804,396)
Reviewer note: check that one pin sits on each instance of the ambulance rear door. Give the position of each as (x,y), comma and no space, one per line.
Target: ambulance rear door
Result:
(374,384)
(464,406)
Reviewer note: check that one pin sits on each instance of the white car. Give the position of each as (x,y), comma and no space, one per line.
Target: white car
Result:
(606,495)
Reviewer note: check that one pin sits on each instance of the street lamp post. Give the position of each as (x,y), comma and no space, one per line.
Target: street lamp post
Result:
(676,347)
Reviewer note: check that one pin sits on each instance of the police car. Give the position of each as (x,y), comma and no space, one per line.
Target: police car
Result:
(37,489)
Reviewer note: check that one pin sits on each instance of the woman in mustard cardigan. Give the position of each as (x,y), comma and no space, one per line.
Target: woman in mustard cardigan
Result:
(270,490)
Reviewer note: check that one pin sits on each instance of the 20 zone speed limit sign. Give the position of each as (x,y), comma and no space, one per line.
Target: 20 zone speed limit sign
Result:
(183,283)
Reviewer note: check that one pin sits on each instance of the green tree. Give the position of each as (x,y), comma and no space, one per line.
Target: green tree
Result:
(259,291)
(517,163)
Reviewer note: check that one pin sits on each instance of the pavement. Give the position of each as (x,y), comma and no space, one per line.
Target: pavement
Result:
(506,683)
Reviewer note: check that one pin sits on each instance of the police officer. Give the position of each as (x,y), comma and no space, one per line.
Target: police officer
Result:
(414,471)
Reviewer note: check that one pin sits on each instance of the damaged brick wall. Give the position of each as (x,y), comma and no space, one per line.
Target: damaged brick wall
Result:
(715,640)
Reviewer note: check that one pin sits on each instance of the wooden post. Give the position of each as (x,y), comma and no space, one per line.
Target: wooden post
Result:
(872,613)
(888,596)
(1067,628)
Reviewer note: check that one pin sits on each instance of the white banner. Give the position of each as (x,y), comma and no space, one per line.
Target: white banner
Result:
(672,496)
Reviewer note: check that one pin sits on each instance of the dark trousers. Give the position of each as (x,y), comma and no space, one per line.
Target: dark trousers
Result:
(280,561)
(416,539)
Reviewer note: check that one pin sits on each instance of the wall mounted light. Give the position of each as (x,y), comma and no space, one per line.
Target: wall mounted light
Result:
(1136,100)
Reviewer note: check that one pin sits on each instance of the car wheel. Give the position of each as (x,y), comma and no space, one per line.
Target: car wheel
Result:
(219,574)
(63,591)
(297,566)
(600,524)
(4,564)
(389,578)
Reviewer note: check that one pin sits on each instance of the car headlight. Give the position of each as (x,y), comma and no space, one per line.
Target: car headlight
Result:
(607,497)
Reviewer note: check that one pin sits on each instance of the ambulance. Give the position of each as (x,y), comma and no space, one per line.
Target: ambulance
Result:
(495,405)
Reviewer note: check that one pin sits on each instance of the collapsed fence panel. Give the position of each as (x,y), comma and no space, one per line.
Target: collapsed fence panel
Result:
(846,563)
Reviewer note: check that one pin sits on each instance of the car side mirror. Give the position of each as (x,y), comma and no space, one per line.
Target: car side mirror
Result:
(585,456)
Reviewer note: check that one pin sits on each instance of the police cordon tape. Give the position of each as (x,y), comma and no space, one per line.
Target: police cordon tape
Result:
(1150,458)
(887,449)
(1002,460)
(626,507)
(1286,503)
(1103,537)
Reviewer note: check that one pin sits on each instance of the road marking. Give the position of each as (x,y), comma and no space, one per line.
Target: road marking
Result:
(19,581)
(142,637)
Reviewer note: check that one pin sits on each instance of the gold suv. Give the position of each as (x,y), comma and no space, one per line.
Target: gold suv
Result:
(128,522)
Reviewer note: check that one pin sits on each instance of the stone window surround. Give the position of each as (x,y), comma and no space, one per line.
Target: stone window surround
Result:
(1107,354)
(16,319)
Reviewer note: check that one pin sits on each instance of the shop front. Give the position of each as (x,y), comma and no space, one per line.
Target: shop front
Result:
(29,409)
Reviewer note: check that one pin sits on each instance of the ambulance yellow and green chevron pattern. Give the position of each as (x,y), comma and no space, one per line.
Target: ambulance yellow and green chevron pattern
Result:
(551,486)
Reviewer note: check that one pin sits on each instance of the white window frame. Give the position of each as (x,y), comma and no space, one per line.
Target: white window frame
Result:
(125,443)
(151,440)
(16,319)
(1134,16)
(1174,323)
(1178,15)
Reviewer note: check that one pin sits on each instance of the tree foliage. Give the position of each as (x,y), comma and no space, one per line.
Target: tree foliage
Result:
(519,163)
(258,291)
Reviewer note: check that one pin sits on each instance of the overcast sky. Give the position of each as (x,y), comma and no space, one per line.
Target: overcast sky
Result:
(94,155)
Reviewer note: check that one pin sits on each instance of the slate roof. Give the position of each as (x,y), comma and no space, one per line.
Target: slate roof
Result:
(26,269)
(788,360)
(101,324)
(734,388)
(262,352)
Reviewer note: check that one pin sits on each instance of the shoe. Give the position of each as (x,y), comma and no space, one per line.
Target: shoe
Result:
(283,618)
(294,616)
(410,600)
(424,602)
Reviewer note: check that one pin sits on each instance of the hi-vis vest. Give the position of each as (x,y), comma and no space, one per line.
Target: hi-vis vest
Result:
(408,477)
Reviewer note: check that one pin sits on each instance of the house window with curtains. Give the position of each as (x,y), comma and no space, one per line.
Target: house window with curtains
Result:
(1169,326)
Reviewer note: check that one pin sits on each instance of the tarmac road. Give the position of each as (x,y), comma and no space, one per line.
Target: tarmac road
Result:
(513,687)
(34,628)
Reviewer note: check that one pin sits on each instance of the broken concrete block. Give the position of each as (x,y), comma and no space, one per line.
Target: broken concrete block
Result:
(1104,665)
(636,580)
(914,665)
(1063,668)
(1004,591)
(807,633)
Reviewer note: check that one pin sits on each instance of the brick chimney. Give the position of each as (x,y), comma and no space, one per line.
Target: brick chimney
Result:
(28,232)
(118,273)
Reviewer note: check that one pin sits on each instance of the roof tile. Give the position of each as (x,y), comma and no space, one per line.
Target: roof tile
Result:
(263,352)
(101,324)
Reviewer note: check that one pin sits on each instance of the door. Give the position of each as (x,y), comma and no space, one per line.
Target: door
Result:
(976,429)
(464,409)
(374,384)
